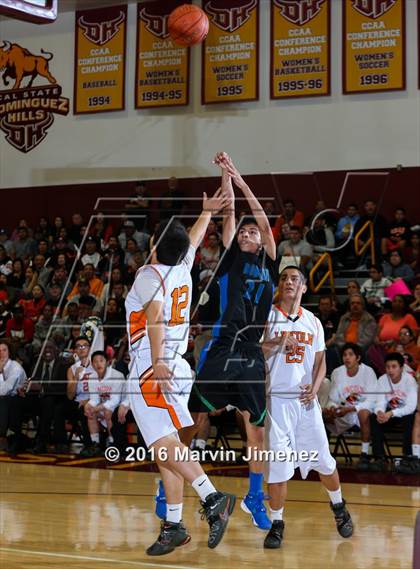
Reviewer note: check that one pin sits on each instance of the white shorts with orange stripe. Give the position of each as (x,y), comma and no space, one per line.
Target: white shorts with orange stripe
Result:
(159,414)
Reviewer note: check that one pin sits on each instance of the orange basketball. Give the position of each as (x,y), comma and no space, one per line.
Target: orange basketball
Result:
(188,25)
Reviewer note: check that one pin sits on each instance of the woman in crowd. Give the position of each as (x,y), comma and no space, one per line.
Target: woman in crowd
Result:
(396,268)
(390,324)
(17,278)
(407,345)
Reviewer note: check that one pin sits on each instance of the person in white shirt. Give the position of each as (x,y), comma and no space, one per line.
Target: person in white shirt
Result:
(373,289)
(352,398)
(396,401)
(294,348)
(12,378)
(106,386)
(91,255)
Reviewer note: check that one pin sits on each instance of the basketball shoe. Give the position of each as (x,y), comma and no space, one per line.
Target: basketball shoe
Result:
(254,504)
(275,536)
(343,519)
(217,508)
(171,535)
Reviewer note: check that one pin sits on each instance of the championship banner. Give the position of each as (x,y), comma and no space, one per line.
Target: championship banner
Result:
(373,45)
(100,60)
(230,51)
(300,48)
(162,66)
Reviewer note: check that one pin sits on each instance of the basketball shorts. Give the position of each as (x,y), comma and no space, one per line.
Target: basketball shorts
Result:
(292,427)
(159,414)
(231,377)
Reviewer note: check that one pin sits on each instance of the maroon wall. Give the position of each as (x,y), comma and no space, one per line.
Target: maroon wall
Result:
(400,188)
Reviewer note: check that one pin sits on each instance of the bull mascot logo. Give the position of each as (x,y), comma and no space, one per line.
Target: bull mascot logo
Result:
(18,62)
(299,12)
(373,8)
(230,19)
(101,33)
(156,24)
(27,112)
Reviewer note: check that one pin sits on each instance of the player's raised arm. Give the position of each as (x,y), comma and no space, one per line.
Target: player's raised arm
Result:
(229,226)
(257,211)
(211,206)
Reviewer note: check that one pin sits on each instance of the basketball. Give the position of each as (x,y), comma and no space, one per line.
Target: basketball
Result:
(188,25)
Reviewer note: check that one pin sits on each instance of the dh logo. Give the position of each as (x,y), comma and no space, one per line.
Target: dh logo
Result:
(299,12)
(230,19)
(156,24)
(373,8)
(100,33)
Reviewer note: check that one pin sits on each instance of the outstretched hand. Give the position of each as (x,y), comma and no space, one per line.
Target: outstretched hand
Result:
(225,162)
(216,203)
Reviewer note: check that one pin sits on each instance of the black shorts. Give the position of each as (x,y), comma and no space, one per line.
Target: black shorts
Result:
(229,376)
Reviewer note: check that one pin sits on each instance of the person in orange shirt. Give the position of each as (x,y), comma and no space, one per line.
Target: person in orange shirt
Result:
(407,346)
(391,324)
(96,285)
(291,216)
(356,325)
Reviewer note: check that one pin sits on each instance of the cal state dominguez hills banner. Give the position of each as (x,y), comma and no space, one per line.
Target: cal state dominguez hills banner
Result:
(300,48)
(162,66)
(373,45)
(100,52)
(230,51)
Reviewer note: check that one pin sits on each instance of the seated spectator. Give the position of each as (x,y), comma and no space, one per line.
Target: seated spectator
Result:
(84,291)
(5,315)
(320,236)
(373,289)
(295,247)
(407,346)
(396,401)
(290,217)
(212,228)
(19,328)
(129,231)
(62,247)
(12,378)
(116,278)
(31,278)
(172,201)
(138,205)
(210,255)
(44,229)
(119,292)
(415,305)
(380,225)
(102,230)
(114,323)
(396,268)
(7,293)
(42,327)
(347,223)
(96,285)
(75,227)
(398,233)
(352,398)
(53,295)
(63,262)
(33,306)
(7,243)
(357,325)
(130,249)
(24,245)
(353,287)
(136,261)
(389,325)
(106,387)
(6,263)
(16,279)
(49,380)
(329,319)
(411,253)
(57,225)
(44,272)
(270,212)
(91,255)
(43,248)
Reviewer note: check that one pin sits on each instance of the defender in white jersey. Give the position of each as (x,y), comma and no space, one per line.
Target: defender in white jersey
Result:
(294,348)
(158,314)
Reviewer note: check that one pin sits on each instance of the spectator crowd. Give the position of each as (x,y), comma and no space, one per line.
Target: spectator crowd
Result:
(63,343)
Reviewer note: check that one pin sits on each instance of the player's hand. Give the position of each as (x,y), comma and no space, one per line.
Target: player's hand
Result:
(342,411)
(225,162)
(163,376)
(307,394)
(122,413)
(290,343)
(78,373)
(218,202)
(383,417)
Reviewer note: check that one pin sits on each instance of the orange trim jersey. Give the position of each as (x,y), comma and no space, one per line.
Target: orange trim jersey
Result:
(170,285)
(286,371)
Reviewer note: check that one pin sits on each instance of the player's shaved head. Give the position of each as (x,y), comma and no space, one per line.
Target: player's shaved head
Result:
(294,268)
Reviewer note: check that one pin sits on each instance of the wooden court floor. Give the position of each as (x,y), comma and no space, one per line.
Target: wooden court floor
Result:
(76,518)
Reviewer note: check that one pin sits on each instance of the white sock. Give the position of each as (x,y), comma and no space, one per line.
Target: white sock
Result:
(416,450)
(174,513)
(200,443)
(365,447)
(276,514)
(203,486)
(335,496)
(95,438)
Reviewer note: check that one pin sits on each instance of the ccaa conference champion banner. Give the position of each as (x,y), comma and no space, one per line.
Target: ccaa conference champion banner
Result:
(162,66)
(373,45)
(100,52)
(230,51)
(300,48)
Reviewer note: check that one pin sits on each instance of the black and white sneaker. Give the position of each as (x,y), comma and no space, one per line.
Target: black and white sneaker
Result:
(275,536)
(408,465)
(217,508)
(342,519)
(171,535)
